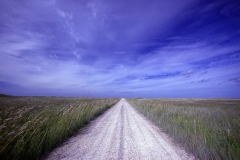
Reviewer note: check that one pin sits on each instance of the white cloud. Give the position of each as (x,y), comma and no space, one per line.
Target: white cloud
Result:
(65,15)
(62,13)
(77,55)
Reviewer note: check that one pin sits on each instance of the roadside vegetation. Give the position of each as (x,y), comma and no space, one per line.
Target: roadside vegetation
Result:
(208,128)
(32,126)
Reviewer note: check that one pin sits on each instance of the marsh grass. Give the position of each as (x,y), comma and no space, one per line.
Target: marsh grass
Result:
(32,126)
(208,128)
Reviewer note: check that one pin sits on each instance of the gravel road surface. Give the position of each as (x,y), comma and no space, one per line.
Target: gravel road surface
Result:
(120,133)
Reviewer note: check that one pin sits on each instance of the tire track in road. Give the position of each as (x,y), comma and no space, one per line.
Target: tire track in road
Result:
(121,147)
(120,133)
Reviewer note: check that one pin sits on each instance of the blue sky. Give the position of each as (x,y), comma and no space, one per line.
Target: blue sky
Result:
(112,48)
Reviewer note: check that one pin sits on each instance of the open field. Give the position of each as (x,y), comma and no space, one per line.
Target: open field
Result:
(32,126)
(208,128)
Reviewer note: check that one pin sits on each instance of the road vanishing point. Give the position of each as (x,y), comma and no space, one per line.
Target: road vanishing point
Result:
(120,133)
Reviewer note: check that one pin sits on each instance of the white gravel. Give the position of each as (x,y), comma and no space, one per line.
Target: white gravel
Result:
(120,133)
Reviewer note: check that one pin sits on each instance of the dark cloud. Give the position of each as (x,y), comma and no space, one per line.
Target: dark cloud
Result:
(188,74)
(235,79)
(126,92)
(204,80)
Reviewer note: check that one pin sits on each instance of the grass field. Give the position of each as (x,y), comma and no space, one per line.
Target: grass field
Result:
(208,128)
(32,126)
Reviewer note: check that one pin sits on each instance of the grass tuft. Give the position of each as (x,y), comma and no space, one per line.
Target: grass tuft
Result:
(208,128)
(32,126)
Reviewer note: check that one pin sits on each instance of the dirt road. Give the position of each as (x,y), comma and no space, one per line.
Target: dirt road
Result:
(120,133)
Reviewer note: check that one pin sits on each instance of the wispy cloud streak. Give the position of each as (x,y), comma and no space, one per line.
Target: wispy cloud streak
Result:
(137,48)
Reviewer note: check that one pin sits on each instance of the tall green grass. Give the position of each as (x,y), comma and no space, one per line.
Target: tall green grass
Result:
(208,128)
(32,126)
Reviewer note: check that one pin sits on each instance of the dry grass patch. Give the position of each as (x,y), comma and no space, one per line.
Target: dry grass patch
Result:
(209,128)
(32,126)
